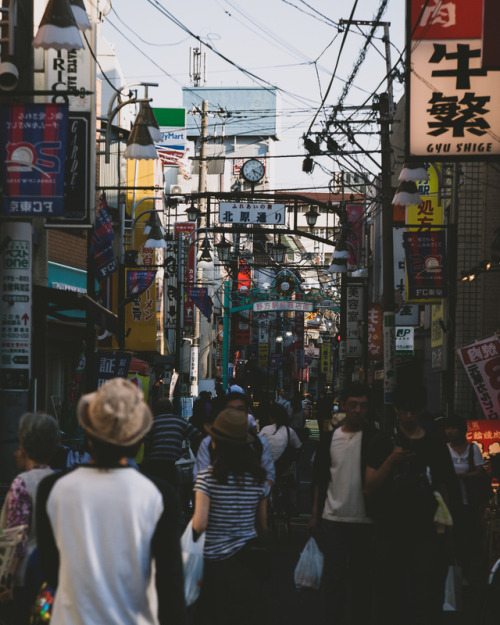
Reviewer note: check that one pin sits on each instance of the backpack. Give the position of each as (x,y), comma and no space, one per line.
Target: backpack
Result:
(288,456)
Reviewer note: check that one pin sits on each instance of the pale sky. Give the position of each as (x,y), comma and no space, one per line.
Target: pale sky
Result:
(291,44)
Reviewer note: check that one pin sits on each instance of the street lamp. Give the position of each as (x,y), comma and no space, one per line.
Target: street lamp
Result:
(58,29)
(278,251)
(311,217)
(223,249)
(193,212)
(140,134)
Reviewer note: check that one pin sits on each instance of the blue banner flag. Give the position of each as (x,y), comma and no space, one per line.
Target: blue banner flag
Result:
(201,299)
(101,256)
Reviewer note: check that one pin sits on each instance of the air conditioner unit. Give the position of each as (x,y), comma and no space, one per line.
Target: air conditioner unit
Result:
(175,189)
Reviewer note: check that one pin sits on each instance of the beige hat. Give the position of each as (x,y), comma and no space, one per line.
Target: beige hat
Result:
(116,413)
(231,426)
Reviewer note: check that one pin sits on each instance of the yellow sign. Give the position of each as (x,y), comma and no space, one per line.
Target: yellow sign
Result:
(264,355)
(428,213)
(325,357)
(437,314)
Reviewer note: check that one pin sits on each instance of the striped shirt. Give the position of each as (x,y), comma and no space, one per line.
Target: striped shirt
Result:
(164,442)
(232,513)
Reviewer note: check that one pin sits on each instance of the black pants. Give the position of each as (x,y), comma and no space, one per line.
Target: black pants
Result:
(346,586)
(164,469)
(234,590)
(410,574)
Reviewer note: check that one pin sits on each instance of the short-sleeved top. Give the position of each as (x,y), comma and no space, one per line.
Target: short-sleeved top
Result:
(266,460)
(278,439)
(164,442)
(99,531)
(407,497)
(232,512)
(461,464)
(344,498)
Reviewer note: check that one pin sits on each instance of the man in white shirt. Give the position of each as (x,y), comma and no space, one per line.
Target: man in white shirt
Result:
(339,512)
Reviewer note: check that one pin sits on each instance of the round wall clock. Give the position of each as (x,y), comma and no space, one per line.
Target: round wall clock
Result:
(253,170)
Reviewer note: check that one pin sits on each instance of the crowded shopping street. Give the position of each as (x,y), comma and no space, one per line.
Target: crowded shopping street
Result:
(249,312)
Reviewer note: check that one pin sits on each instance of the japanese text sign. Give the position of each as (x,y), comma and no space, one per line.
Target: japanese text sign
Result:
(354,324)
(453,104)
(187,228)
(425,256)
(111,364)
(15,307)
(486,434)
(283,305)
(482,364)
(33,152)
(251,213)
(375,332)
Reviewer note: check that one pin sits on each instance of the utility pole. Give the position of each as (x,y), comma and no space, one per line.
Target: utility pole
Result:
(202,187)
(388,261)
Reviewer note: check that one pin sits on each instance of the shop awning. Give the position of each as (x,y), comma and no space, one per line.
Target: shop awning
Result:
(56,302)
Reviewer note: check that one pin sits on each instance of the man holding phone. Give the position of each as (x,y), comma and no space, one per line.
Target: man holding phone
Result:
(403,472)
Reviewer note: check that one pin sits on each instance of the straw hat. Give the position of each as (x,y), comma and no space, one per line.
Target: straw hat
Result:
(116,413)
(231,426)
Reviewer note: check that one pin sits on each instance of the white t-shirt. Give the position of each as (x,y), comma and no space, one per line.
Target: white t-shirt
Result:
(278,440)
(461,464)
(344,498)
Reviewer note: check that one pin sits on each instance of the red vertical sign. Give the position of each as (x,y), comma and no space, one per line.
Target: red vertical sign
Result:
(187,228)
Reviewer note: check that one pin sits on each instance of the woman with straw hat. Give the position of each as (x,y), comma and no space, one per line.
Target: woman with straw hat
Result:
(101,525)
(230,506)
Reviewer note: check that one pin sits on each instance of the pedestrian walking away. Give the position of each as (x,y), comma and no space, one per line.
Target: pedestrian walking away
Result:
(230,506)
(339,519)
(405,470)
(101,526)
(239,402)
(163,444)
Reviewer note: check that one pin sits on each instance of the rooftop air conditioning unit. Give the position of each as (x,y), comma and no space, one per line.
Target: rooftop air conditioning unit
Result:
(175,189)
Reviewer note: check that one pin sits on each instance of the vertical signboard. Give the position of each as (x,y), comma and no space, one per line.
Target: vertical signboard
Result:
(32,153)
(425,265)
(453,102)
(186,228)
(407,315)
(325,356)
(15,307)
(140,313)
(375,332)
(354,323)
(482,363)
(437,337)
(263,353)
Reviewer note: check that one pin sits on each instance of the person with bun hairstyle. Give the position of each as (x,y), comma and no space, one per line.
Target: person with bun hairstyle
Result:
(230,507)
(101,526)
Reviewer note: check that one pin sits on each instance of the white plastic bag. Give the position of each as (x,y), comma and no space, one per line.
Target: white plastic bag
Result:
(192,559)
(309,567)
(453,589)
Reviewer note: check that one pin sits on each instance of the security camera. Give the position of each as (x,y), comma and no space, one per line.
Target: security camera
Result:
(9,75)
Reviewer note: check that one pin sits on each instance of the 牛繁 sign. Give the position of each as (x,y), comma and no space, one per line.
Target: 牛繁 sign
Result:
(453,104)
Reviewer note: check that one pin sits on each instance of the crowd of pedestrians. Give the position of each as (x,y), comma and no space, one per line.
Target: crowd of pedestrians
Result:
(104,537)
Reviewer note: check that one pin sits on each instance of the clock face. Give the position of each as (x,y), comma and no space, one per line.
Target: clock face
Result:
(253,170)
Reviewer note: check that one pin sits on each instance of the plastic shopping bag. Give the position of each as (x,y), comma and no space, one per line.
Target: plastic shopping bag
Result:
(309,567)
(192,559)
(453,589)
